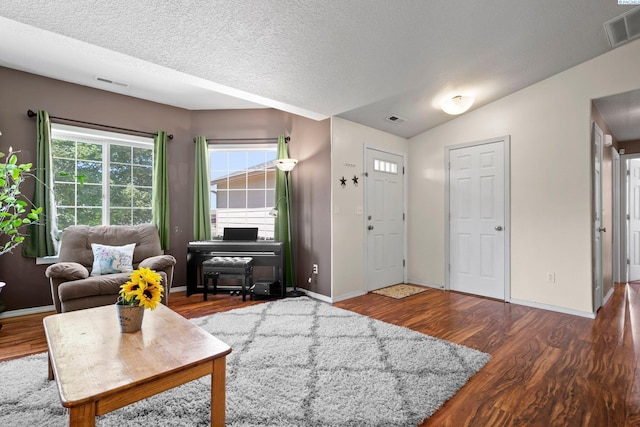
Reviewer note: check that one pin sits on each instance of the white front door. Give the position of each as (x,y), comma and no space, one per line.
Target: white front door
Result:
(384,219)
(477,219)
(597,218)
(633,206)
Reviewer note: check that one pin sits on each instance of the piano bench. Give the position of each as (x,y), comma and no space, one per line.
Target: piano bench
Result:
(227,268)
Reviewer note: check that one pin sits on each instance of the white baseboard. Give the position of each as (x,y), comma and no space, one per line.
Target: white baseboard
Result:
(427,284)
(348,296)
(606,298)
(553,308)
(27,311)
(178,289)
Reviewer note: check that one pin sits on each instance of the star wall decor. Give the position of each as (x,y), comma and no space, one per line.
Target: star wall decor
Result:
(343,182)
(355,180)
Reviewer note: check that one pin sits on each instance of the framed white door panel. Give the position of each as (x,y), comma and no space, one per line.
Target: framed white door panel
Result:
(384,218)
(477,226)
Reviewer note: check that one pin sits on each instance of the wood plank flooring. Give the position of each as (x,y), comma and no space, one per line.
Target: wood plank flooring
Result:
(547,368)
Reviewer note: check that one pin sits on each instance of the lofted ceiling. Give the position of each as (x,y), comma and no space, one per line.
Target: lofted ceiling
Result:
(363,60)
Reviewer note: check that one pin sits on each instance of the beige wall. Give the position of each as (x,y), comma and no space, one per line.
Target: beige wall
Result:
(348,141)
(549,124)
(310,142)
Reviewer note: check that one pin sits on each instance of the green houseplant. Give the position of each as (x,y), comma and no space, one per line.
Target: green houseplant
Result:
(15,210)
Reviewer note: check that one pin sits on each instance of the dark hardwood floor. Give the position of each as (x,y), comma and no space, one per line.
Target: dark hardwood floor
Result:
(547,368)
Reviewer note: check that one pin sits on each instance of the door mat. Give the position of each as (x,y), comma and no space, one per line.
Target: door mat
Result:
(400,291)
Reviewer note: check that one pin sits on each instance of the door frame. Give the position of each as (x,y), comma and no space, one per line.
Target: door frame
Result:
(366,203)
(597,293)
(506,142)
(624,223)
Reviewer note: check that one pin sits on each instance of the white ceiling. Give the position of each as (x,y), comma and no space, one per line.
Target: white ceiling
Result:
(622,114)
(363,60)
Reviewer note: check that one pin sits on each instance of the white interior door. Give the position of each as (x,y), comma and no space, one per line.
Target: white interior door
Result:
(477,219)
(384,219)
(633,207)
(597,226)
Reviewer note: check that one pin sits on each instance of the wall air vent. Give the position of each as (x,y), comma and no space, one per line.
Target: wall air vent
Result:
(623,28)
(111,82)
(396,119)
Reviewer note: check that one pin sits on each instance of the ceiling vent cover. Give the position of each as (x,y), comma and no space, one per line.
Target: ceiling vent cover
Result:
(624,28)
(396,119)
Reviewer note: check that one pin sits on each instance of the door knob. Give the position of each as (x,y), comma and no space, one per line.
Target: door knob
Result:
(370,227)
(603,229)
(498,228)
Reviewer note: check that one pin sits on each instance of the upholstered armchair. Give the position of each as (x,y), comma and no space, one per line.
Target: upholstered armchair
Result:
(73,287)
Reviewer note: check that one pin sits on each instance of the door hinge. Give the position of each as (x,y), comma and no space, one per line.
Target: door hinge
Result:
(628,173)
(404,263)
(628,216)
(403,216)
(366,174)
(628,261)
(403,170)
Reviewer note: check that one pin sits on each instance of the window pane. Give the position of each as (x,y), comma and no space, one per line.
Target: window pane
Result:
(63,148)
(120,174)
(256,199)
(256,159)
(88,151)
(237,199)
(120,153)
(90,195)
(222,199)
(143,175)
(119,196)
(237,161)
(65,170)
(142,156)
(92,171)
(238,180)
(66,217)
(257,179)
(65,194)
(141,216)
(142,197)
(120,217)
(90,216)
(218,161)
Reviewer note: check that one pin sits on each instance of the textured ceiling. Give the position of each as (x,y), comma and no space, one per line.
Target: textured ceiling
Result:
(363,60)
(622,114)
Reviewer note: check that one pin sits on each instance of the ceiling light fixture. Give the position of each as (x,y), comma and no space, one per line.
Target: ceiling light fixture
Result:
(457,105)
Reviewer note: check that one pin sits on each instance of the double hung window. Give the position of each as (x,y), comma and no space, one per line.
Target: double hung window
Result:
(242,187)
(101,178)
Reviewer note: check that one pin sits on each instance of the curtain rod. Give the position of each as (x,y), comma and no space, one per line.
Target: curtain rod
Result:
(31,114)
(286,139)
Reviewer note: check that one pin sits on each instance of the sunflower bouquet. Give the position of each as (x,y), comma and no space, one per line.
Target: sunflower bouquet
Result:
(143,289)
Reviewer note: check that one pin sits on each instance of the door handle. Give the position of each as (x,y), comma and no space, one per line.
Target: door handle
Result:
(602,229)
(498,228)
(370,227)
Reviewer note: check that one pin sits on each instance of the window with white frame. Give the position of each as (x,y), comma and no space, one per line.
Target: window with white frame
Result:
(242,187)
(101,178)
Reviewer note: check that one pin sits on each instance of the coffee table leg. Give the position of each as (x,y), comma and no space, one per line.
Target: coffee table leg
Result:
(49,367)
(218,387)
(83,416)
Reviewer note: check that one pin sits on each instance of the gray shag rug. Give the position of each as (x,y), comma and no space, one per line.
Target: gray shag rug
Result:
(295,362)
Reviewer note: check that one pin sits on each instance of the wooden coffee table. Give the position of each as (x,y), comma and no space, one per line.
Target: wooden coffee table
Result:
(99,369)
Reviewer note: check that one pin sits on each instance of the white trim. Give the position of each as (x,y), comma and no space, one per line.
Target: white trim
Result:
(506,141)
(405,209)
(427,284)
(177,289)
(346,296)
(27,311)
(616,215)
(609,294)
(553,308)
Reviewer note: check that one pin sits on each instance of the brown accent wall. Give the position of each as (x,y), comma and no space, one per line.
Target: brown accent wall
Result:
(19,91)
(607,203)
(630,147)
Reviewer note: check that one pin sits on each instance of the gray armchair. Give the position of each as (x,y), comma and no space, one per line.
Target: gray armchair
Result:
(72,287)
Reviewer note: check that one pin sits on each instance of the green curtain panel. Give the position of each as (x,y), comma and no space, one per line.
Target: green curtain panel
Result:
(42,237)
(281,229)
(160,200)
(202,192)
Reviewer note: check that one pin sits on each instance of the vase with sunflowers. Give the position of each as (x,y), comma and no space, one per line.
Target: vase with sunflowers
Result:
(143,290)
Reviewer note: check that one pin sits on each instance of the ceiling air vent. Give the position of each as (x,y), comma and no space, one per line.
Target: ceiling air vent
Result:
(396,119)
(623,28)
(111,82)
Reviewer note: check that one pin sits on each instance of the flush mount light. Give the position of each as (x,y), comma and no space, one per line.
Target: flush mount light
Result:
(457,105)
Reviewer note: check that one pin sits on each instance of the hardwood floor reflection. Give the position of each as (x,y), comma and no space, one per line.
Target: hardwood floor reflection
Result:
(547,368)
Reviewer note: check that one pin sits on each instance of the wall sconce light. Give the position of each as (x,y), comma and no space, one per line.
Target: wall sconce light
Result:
(457,105)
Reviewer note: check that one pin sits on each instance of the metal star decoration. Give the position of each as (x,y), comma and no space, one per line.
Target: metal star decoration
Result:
(355,180)
(343,182)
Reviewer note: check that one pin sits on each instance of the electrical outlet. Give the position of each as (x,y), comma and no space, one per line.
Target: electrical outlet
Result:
(551,277)
(315,268)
